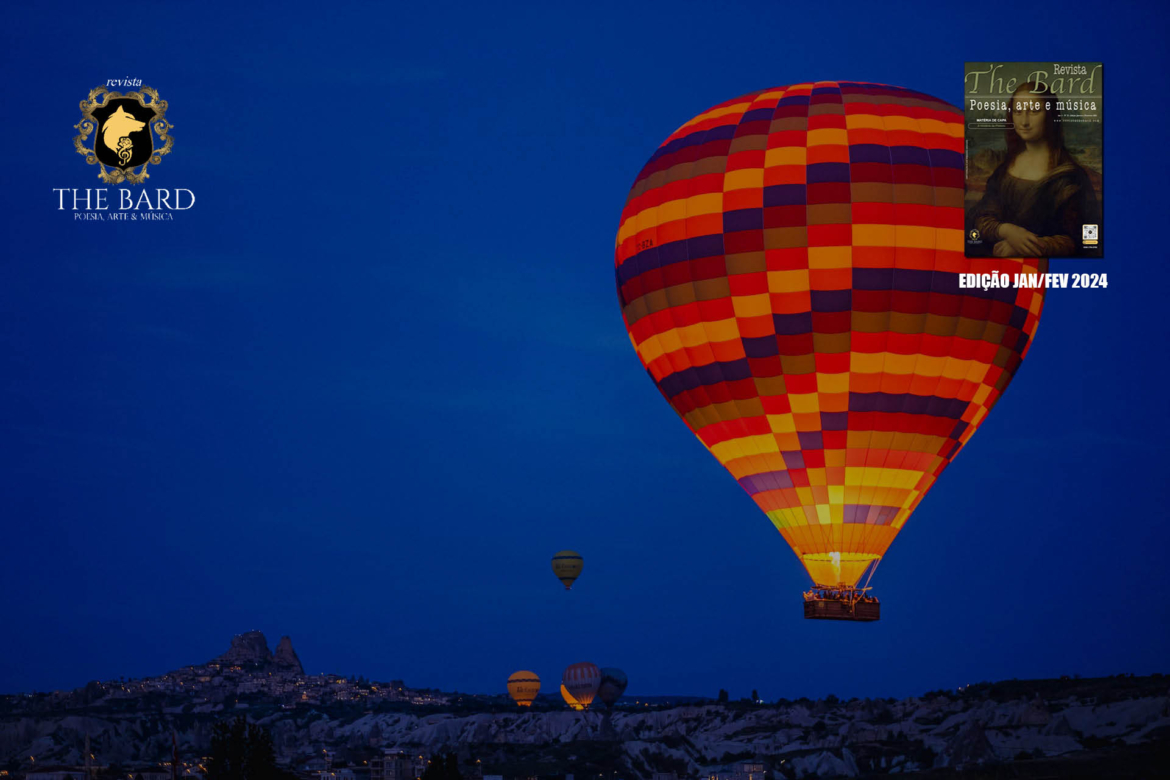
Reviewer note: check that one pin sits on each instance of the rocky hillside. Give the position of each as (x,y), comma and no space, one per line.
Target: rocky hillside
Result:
(251,649)
(984,725)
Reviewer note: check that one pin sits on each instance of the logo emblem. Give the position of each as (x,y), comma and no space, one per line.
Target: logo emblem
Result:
(973,234)
(1089,234)
(121,130)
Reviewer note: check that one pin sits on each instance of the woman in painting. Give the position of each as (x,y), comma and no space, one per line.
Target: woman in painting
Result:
(1039,197)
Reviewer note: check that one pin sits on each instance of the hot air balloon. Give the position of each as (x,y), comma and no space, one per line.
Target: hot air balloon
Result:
(613,685)
(580,682)
(568,697)
(788,266)
(523,687)
(567,566)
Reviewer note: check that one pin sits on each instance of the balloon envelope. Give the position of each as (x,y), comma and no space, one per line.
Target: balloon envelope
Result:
(613,685)
(568,697)
(523,686)
(788,266)
(581,681)
(567,566)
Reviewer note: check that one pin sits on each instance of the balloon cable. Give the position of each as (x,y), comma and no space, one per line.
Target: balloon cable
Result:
(871,573)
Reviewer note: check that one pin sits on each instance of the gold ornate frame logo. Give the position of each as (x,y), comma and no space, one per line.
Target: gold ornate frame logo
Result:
(158,125)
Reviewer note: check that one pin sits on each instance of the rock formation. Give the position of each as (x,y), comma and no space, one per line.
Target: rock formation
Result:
(969,747)
(287,657)
(247,648)
(251,649)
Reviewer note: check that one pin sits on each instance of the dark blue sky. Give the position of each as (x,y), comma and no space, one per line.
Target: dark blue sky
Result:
(365,389)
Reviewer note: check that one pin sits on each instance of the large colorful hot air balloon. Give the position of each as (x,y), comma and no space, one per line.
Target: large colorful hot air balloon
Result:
(567,566)
(613,685)
(581,681)
(523,687)
(788,265)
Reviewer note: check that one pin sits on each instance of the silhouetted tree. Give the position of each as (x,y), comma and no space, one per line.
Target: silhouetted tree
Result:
(723,697)
(755,695)
(260,759)
(443,767)
(112,771)
(241,751)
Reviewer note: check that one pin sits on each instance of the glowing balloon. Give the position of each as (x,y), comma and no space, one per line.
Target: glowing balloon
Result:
(788,266)
(523,687)
(580,682)
(568,697)
(567,566)
(613,685)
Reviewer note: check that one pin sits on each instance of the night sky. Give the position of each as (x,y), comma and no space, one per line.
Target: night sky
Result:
(364,390)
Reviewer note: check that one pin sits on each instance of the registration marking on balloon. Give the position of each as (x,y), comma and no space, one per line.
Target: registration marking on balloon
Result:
(788,265)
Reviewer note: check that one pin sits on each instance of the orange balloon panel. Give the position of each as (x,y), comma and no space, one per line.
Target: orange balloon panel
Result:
(568,697)
(789,267)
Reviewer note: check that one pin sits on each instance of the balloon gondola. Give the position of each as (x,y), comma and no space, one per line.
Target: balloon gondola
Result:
(788,265)
(842,603)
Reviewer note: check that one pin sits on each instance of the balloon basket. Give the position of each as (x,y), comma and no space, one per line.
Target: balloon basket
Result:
(841,604)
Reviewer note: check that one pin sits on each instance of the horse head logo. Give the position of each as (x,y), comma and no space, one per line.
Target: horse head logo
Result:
(116,133)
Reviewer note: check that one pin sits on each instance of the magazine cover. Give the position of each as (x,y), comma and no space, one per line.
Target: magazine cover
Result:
(1034,161)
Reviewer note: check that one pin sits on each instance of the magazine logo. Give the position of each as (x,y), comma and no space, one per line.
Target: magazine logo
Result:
(123,135)
(118,132)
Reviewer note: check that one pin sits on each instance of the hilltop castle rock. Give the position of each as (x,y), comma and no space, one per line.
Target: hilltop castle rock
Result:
(251,648)
(247,648)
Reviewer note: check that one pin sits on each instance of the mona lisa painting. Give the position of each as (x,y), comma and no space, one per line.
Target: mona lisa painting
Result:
(1034,160)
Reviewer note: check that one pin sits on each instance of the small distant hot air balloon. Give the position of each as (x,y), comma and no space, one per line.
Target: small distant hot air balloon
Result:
(523,687)
(789,266)
(568,697)
(580,682)
(613,685)
(567,566)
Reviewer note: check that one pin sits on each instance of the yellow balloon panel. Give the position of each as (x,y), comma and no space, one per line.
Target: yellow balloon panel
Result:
(523,687)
